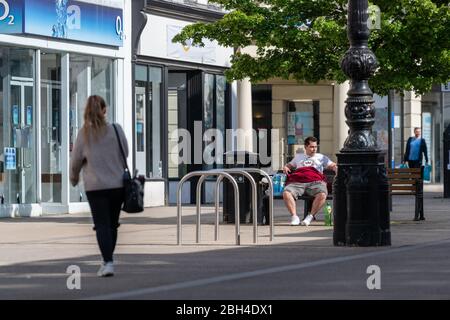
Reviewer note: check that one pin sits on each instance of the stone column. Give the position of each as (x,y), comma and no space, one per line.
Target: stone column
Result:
(340,127)
(245,118)
(413,114)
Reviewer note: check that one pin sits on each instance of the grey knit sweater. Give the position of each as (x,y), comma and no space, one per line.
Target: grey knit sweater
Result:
(100,159)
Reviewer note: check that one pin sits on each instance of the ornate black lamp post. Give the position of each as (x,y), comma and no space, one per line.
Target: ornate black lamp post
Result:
(361,209)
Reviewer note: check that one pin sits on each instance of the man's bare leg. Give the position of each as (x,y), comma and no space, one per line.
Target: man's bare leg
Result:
(319,201)
(289,201)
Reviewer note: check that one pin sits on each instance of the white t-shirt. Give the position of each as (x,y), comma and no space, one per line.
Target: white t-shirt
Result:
(318,161)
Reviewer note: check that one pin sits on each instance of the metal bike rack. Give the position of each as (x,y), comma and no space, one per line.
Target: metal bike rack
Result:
(254,200)
(263,173)
(225,173)
(206,174)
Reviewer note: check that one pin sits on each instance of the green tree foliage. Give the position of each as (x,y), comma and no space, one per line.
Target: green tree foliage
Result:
(306,39)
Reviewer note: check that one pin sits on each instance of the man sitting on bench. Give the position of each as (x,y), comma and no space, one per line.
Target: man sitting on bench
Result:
(305,175)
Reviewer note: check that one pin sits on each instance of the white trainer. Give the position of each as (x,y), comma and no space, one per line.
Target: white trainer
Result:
(295,221)
(106,270)
(307,220)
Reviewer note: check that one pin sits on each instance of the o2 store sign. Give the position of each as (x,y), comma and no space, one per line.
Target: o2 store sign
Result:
(6,14)
(66,19)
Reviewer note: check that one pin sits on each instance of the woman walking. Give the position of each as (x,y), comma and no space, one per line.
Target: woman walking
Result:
(97,152)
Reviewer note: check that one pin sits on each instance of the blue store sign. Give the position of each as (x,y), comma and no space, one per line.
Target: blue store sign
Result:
(10,158)
(65,19)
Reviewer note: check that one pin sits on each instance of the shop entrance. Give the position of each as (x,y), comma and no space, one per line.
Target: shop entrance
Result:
(19,152)
(197,102)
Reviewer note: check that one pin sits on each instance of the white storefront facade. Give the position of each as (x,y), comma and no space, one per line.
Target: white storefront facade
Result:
(175,87)
(53,55)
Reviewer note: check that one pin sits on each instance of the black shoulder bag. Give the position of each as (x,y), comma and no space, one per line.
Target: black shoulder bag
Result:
(134,186)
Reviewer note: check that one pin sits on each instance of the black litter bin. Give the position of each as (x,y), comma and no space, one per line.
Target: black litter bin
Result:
(446,168)
(243,159)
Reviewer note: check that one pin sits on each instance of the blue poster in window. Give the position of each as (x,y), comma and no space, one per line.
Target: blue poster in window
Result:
(29,115)
(10,158)
(15,115)
(304,124)
(291,140)
(139,127)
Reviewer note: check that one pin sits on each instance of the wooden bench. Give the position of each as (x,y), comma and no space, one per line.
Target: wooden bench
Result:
(407,182)
(308,200)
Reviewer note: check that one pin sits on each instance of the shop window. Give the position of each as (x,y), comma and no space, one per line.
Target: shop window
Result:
(148,120)
(214,116)
(380,128)
(432,128)
(88,76)
(177,103)
(17,126)
(262,121)
(195,97)
(51,146)
(397,125)
(302,122)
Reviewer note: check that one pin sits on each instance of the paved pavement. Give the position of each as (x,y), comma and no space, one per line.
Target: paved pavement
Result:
(301,262)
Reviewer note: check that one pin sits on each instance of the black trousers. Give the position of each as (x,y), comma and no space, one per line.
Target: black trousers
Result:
(105,207)
(414,163)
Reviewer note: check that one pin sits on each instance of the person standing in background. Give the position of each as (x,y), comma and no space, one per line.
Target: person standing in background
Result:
(415,148)
(97,152)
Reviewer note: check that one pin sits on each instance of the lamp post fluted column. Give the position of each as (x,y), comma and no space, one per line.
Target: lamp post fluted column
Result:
(360,190)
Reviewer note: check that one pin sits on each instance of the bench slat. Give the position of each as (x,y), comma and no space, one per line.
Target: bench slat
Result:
(412,188)
(399,181)
(404,170)
(403,193)
(404,176)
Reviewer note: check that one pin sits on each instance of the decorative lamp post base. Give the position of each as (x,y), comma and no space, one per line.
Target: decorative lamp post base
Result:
(360,200)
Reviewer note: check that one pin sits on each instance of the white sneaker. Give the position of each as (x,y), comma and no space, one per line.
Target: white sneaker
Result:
(295,221)
(307,220)
(106,270)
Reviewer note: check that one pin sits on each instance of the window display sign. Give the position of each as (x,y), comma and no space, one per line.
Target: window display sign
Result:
(15,115)
(29,115)
(10,158)
(300,126)
(426,130)
(97,21)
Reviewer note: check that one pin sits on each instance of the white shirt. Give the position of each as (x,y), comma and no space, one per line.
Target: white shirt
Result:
(318,161)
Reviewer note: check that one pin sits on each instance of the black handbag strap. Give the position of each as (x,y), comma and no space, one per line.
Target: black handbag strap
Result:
(121,149)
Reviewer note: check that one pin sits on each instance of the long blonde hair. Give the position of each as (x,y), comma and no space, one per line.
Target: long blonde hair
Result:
(94,117)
